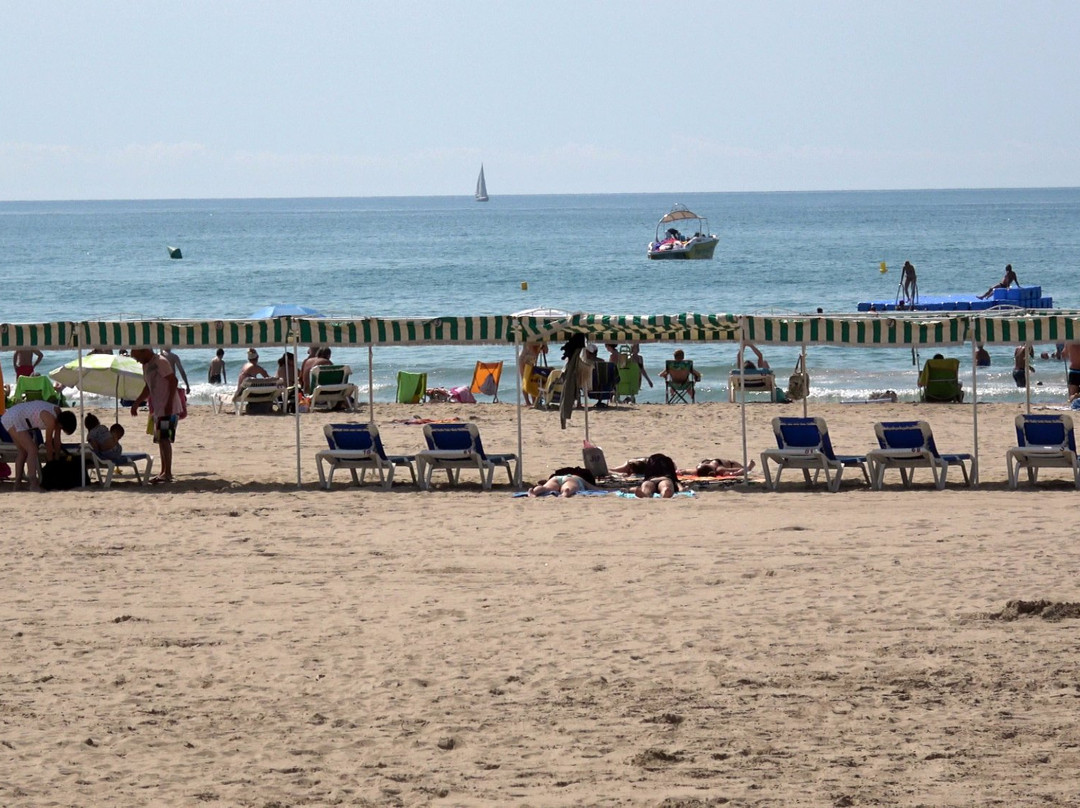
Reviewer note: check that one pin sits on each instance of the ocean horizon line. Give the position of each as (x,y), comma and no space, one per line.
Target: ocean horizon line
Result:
(795,192)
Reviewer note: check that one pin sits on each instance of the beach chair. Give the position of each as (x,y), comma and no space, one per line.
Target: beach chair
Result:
(629,384)
(259,396)
(551,394)
(939,381)
(35,388)
(331,388)
(452,447)
(760,380)
(804,443)
(103,468)
(1043,441)
(908,445)
(358,447)
(679,381)
(534,380)
(605,379)
(485,380)
(411,387)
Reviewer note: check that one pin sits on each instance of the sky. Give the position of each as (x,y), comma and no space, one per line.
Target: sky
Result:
(160,100)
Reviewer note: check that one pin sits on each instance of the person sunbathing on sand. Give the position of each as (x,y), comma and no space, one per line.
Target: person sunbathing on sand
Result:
(719,468)
(565,483)
(664,486)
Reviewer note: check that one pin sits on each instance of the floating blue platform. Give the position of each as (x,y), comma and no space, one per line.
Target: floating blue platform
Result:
(1023,297)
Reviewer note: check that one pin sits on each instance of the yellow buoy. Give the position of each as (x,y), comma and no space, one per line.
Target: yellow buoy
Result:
(524,286)
(883,268)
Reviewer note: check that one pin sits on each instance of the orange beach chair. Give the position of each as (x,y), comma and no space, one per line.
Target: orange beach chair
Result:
(485,380)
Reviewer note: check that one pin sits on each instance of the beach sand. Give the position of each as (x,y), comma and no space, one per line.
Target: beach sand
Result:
(231,640)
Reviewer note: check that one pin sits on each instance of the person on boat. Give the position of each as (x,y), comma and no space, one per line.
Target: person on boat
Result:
(1007,281)
(908,283)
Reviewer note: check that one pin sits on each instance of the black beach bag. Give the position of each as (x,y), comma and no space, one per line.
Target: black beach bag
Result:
(63,473)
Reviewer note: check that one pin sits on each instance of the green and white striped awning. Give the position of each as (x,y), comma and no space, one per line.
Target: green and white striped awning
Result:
(630,328)
(857,331)
(375,331)
(43,336)
(1034,328)
(184,334)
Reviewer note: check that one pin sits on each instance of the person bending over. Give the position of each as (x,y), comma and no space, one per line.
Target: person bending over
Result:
(21,420)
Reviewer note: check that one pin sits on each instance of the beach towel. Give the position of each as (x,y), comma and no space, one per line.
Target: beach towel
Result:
(628,495)
(556,493)
(416,420)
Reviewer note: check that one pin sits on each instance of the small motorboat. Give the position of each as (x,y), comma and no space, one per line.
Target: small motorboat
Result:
(670,241)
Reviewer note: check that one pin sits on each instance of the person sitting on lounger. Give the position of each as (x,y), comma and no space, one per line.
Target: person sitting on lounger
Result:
(251,370)
(748,364)
(105,441)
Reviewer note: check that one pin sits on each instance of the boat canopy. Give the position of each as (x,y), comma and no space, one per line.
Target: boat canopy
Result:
(679,213)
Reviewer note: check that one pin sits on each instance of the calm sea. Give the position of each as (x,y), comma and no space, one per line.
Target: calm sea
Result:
(778,252)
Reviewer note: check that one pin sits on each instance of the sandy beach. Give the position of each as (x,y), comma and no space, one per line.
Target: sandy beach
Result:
(233,640)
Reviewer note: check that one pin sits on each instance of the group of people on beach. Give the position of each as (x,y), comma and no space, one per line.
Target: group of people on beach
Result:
(660,477)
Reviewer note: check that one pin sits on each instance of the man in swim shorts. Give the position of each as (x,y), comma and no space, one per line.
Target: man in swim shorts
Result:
(26,361)
(1021,365)
(160,388)
(1072,356)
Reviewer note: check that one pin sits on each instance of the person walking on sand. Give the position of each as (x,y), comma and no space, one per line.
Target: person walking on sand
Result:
(1007,281)
(160,388)
(177,366)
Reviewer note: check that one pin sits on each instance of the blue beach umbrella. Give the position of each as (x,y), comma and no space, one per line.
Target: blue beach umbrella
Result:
(284,310)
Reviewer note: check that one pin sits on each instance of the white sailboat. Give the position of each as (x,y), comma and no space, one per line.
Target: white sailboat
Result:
(481,186)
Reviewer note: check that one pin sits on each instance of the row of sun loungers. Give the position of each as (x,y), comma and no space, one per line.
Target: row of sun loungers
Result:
(804,444)
(1043,441)
(451,448)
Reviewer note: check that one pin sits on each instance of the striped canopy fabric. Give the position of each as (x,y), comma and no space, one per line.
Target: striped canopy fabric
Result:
(183,334)
(376,331)
(894,330)
(59,336)
(630,328)
(1016,329)
(857,331)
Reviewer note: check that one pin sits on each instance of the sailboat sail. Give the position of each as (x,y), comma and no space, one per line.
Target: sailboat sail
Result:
(481,186)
